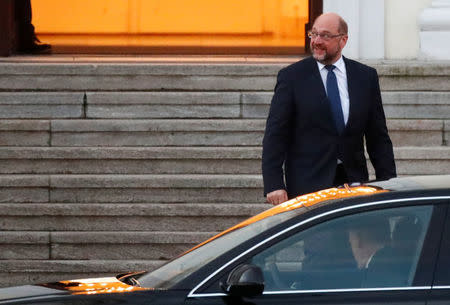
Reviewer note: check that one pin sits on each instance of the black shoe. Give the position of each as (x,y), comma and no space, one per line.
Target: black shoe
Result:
(35,48)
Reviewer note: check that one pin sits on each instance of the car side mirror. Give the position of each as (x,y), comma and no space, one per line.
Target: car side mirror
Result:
(245,281)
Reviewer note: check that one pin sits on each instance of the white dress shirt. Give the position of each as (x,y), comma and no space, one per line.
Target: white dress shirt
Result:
(341,76)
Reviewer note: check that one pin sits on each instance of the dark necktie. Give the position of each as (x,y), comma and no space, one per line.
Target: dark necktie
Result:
(335,100)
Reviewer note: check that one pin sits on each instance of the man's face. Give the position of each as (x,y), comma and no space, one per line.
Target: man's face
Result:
(327,51)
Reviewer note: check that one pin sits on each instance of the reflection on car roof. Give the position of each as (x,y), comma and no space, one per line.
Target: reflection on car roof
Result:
(307,200)
(414,183)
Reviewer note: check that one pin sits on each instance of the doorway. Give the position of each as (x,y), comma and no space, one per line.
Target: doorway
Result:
(173,26)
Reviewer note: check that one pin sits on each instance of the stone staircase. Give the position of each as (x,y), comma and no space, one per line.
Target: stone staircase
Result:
(112,167)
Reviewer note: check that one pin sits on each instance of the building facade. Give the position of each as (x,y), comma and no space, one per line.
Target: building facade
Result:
(379,29)
(395,29)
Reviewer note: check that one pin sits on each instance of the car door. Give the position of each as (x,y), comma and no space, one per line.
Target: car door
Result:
(441,285)
(315,262)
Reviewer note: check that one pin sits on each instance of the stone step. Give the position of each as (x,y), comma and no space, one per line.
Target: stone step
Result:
(145,77)
(417,132)
(132,209)
(141,105)
(24,133)
(131,132)
(131,188)
(41,105)
(394,76)
(181,160)
(22,272)
(205,104)
(150,133)
(157,132)
(397,105)
(32,245)
(130,160)
(416,105)
(207,217)
(24,188)
(422,160)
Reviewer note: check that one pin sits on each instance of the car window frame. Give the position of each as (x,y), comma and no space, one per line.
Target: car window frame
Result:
(438,201)
(441,278)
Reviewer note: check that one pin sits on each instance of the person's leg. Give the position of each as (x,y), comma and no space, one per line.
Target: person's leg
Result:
(25,29)
(27,41)
(341,176)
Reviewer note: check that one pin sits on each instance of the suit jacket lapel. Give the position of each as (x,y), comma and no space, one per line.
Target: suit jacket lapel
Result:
(352,85)
(314,97)
(316,85)
(316,80)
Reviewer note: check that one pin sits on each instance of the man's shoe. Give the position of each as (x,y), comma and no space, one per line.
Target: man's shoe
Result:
(35,48)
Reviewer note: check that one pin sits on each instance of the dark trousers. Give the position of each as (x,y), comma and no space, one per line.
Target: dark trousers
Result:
(341,176)
(25,30)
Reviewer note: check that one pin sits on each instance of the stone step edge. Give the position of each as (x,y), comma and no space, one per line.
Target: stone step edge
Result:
(104,237)
(126,210)
(175,153)
(188,98)
(182,125)
(130,153)
(384,68)
(205,125)
(133,181)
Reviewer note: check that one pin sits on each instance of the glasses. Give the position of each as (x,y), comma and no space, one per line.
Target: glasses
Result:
(323,36)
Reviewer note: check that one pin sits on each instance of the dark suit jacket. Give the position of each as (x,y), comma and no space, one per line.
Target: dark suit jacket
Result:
(300,132)
(388,268)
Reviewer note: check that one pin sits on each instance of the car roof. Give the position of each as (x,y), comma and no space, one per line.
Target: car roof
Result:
(414,183)
(314,200)
(353,190)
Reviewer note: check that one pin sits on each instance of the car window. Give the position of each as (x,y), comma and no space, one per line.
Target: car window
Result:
(366,250)
(178,269)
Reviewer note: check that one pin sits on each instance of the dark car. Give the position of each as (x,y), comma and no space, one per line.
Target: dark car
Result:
(380,243)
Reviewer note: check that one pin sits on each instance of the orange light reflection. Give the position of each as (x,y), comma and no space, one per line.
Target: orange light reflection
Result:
(301,201)
(99,285)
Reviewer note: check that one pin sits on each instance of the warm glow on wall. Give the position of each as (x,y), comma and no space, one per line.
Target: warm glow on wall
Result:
(256,21)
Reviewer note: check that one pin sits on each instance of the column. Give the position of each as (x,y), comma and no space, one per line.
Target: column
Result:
(371,34)
(365,19)
(435,31)
(349,10)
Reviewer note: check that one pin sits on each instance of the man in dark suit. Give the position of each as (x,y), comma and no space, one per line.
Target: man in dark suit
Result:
(380,264)
(323,108)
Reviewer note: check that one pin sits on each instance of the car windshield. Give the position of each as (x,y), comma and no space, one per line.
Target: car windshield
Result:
(180,268)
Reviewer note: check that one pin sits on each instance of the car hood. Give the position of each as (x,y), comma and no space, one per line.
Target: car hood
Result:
(27,291)
(107,285)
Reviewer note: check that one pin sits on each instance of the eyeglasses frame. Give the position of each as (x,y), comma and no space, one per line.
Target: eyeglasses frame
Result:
(325,37)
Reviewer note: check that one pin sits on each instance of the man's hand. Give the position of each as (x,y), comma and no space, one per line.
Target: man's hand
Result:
(277,197)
